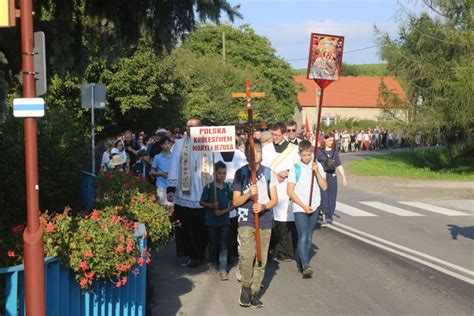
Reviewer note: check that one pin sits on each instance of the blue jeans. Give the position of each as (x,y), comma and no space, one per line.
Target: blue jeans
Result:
(218,245)
(329,197)
(305,225)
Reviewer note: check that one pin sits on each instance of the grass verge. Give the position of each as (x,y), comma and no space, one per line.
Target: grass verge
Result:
(422,164)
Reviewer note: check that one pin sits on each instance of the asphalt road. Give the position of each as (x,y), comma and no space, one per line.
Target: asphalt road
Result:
(381,257)
(351,278)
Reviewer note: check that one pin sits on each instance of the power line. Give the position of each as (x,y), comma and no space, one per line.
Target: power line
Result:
(348,52)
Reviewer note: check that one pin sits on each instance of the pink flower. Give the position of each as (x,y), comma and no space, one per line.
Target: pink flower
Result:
(119,249)
(88,253)
(84,282)
(118,284)
(11,254)
(140,261)
(148,260)
(153,198)
(95,215)
(124,280)
(83,265)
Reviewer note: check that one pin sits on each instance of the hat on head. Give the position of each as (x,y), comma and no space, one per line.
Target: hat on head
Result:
(114,151)
(265,137)
(160,131)
(117,160)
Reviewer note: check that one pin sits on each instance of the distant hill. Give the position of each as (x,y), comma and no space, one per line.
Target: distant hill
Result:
(357,70)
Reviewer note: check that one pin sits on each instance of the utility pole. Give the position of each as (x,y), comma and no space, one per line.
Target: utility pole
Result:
(33,234)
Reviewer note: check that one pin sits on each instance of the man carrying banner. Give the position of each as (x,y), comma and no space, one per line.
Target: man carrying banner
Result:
(280,156)
(189,172)
(251,271)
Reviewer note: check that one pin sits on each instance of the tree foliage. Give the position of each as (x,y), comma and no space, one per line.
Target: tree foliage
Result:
(254,55)
(433,57)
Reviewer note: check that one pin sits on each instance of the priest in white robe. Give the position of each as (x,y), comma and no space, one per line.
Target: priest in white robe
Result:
(280,156)
(189,173)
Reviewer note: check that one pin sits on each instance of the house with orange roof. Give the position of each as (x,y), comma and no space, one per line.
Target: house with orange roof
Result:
(347,97)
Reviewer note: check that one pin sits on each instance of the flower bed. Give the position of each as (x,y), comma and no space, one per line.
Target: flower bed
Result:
(101,245)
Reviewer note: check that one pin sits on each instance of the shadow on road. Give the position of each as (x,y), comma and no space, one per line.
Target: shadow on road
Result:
(466,232)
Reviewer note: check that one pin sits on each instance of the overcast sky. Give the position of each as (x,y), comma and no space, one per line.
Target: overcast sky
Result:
(289,23)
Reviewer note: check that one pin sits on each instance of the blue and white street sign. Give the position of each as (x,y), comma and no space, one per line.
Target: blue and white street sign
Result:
(28,107)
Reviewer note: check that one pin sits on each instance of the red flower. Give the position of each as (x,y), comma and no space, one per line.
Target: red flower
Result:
(95,215)
(148,260)
(90,275)
(88,253)
(153,198)
(130,246)
(83,265)
(140,261)
(11,254)
(83,282)
(124,280)
(119,249)
(50,228)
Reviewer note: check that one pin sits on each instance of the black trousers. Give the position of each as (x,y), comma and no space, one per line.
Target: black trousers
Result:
(194,233)
(232,246)
(284,239)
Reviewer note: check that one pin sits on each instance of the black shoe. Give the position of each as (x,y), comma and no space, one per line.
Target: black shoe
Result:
(255,301)
(283,258)
(245,297)
(307,272)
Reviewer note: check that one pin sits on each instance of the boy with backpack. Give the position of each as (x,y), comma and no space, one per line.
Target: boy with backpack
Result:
(306,215)
(217,199)
(243,191)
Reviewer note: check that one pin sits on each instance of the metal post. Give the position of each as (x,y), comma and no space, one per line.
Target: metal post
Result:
(33,234)
(93,127)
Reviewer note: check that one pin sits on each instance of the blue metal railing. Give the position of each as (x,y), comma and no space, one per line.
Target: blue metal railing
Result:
(64,296)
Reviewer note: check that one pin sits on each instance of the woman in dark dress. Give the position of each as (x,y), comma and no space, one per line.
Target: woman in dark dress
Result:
(328,197)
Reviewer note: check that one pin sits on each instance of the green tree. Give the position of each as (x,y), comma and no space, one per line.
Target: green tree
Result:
(433,58)
(253,53)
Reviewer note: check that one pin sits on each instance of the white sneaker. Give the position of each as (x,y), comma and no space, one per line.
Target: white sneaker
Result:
(238,275)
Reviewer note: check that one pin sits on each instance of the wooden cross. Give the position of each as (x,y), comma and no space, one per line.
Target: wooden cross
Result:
(248,96)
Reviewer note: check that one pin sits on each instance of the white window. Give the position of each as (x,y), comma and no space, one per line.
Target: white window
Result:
(329,120)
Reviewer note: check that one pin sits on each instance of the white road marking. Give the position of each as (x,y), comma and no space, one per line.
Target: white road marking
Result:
(435,209)
(352,211)
(391,209)
(342,228)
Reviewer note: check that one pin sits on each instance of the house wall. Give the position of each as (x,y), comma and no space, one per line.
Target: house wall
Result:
(311,112)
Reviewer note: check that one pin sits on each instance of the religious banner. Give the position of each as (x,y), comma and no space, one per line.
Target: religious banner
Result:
(213,138)
(325,56)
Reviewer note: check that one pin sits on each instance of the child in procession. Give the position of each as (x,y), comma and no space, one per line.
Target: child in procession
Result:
(251,272)
(217,199)
(306,215)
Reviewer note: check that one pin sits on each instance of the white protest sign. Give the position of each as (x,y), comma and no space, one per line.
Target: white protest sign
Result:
(213,138)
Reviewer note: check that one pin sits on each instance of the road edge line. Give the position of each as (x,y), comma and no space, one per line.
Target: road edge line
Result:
(424,262)
(415,252)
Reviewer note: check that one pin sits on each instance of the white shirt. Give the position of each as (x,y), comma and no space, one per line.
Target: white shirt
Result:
(303,185)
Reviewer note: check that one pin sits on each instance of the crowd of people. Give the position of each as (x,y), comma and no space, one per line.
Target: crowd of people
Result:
(210,195)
